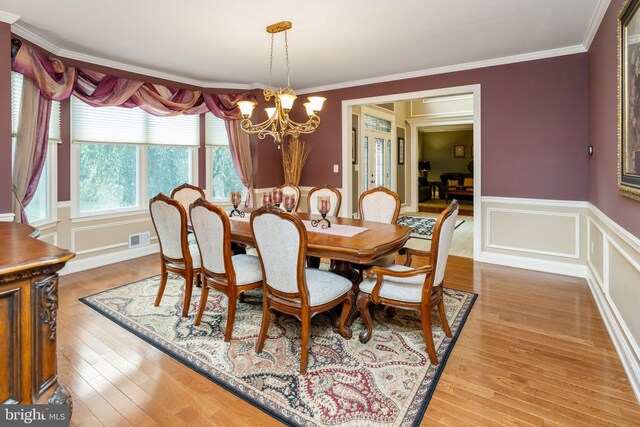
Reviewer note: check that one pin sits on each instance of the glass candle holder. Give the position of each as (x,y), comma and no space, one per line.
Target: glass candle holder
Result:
(289,202)
(266,199)
(236,199)
(324,205)
(277,196)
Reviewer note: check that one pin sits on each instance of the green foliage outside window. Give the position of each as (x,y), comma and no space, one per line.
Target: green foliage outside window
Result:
(168,167)
(108,178)
(224,179)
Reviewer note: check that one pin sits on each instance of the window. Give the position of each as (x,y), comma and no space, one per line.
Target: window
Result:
(42,207)
(222,179)
(126,156)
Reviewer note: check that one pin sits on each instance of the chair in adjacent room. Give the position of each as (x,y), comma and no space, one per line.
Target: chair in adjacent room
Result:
(289,287)
(227,273)
(418,289)
(290,189)
(176,254)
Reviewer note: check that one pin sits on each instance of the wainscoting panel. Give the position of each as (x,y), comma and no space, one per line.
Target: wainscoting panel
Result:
(614,278)
(543,235)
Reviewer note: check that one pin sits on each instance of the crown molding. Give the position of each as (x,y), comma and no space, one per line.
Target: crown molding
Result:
(45,44)
(7,17)
(570,50)
(65,53)
(596,20)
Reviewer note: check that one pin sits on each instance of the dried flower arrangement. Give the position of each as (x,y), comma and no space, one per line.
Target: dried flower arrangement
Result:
(294,156)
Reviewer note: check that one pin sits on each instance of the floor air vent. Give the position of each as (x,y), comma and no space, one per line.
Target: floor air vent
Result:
(139,239)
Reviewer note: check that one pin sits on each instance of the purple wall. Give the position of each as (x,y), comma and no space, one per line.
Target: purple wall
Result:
(534,127)
(5,112)
(603,126)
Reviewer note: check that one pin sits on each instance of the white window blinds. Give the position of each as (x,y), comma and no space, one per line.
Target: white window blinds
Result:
(117,125)
(215,130)
(16,100)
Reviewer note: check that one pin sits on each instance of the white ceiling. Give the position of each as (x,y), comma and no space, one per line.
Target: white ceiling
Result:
(333,43)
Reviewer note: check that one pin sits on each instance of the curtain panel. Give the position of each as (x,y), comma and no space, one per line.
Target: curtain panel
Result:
(58,82)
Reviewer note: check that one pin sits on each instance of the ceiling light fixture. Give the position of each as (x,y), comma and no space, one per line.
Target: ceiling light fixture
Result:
(278,124)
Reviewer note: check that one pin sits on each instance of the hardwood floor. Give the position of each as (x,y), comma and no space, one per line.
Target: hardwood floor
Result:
(534,351)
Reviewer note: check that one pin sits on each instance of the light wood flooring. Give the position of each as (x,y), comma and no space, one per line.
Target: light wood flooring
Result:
(534,351)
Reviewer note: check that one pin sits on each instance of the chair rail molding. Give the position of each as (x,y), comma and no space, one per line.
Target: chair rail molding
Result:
(7,217)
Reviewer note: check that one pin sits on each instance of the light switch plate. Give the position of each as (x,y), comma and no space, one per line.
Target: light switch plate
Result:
(336,169)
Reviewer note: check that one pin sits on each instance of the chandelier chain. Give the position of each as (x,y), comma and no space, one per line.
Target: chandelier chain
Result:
(286,52)
(271,60)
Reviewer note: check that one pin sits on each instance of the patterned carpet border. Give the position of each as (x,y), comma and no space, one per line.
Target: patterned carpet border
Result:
(412,417)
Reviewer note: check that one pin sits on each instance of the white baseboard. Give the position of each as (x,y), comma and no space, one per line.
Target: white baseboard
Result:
(628,357)
(564,268)
(7,217)
(75,266)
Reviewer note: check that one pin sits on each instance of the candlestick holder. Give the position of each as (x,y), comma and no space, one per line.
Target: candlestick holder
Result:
(277,196)
(324,204)
(236,197)
(315,222)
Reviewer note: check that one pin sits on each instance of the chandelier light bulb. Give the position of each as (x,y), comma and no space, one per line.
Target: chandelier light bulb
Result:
(287,98)
(316,102)
(309,108)
(246,107)
(270,111)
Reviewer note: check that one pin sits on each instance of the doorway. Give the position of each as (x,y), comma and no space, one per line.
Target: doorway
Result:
(391,171)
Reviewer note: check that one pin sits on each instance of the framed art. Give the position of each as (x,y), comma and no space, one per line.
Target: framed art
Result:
(458,151)
(354,146)
(629,100)
(401,151)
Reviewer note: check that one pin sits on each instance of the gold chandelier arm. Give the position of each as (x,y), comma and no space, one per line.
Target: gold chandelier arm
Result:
(295,129)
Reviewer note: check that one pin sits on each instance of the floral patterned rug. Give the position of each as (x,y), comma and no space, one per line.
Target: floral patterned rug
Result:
(388,381)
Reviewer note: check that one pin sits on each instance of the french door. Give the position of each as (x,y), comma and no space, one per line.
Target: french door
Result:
(377,151)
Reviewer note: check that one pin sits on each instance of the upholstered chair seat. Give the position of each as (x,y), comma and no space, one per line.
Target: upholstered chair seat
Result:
(247,269)
(289,287)
(325,286)
(413,288)
(232,275)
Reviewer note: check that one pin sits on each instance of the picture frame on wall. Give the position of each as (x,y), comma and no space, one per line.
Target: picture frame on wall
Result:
(629,100)
(400,150)
(354,146)
(458,151)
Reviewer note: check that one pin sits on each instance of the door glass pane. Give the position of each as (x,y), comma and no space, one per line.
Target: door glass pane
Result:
(388,171)
(366,163)
(379,173)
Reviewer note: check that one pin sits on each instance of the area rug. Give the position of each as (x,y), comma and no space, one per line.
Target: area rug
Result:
(422,227)
(388,381)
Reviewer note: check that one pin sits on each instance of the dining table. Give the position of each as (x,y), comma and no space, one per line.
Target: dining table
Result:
(347,242)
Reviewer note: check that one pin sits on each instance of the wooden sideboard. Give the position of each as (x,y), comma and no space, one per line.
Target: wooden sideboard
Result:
(28,315)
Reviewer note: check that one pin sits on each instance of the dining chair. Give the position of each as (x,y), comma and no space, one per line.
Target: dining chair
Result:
(176,254)
(187,194)
(419,288)
(289,287)
(334,197)
(291,189)
(380,205)
(227,273)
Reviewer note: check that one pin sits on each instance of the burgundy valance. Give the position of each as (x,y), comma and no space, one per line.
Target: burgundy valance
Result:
(58,82)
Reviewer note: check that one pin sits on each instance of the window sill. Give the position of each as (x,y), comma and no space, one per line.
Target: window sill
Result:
(45,224)
(107,215)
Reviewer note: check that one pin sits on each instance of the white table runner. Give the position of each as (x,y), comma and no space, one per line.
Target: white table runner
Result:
(335,229)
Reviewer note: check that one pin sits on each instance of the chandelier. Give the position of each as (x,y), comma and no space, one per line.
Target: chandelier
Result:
(278,124)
